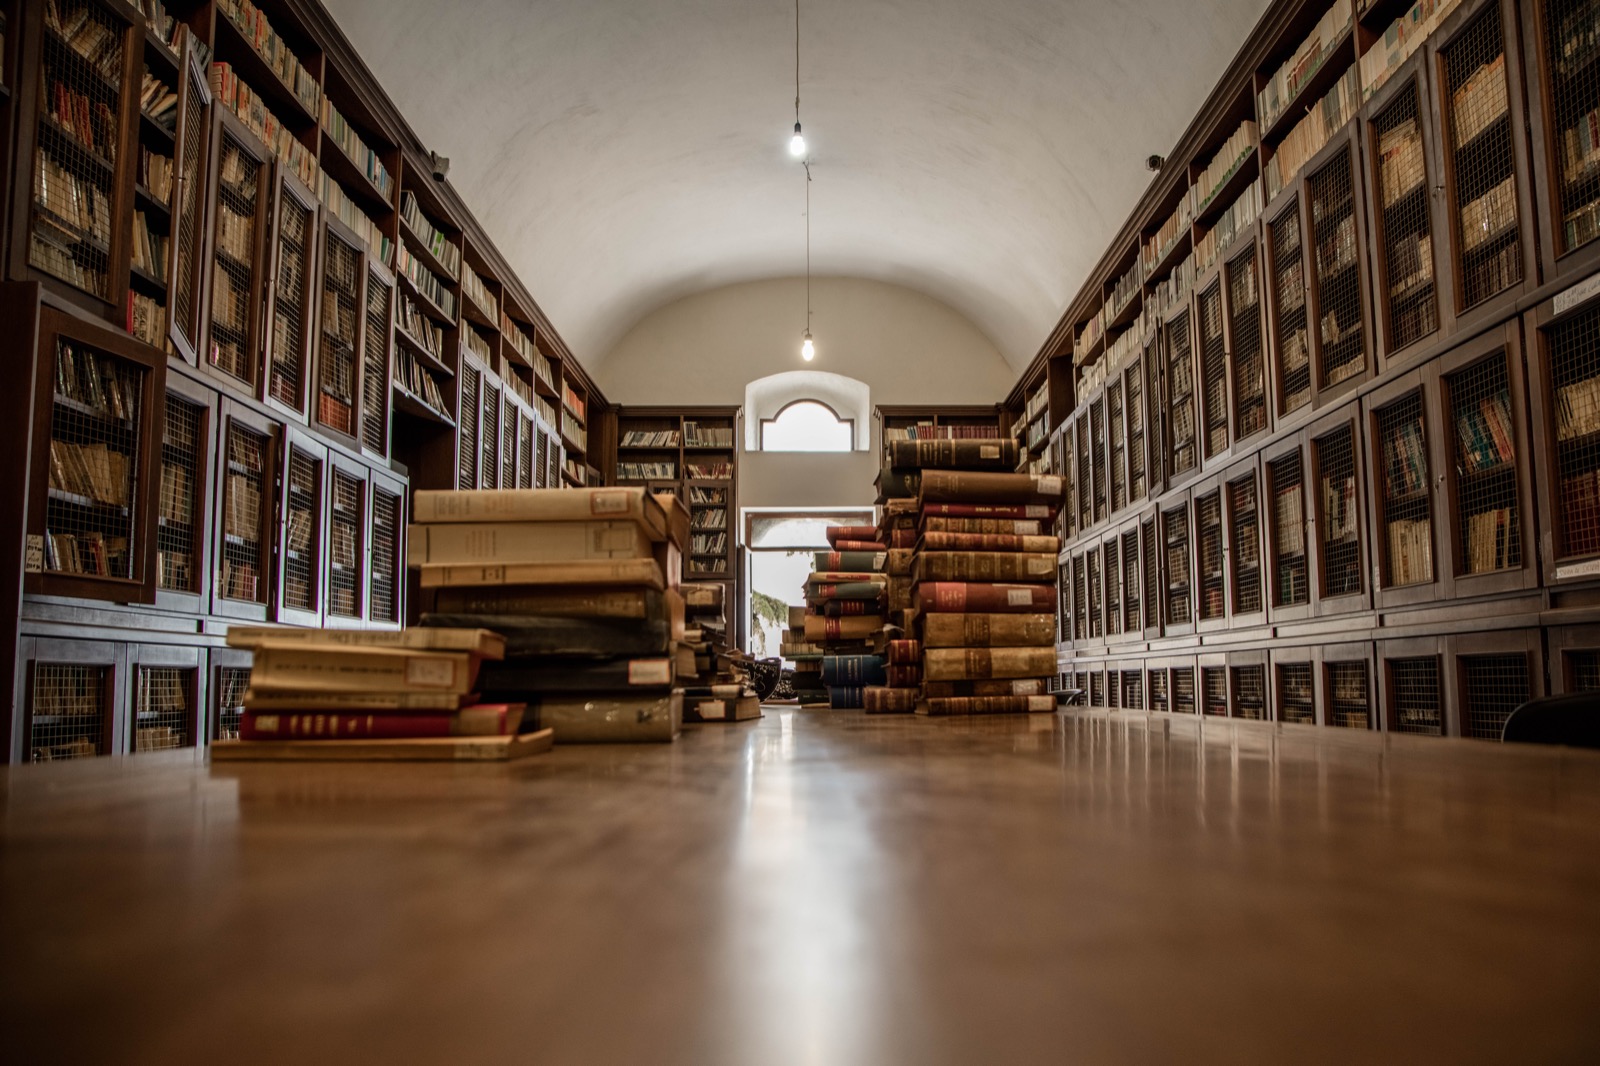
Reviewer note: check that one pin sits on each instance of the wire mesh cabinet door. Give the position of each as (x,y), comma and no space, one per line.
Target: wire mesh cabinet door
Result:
(1491,675)
(92,497)
(238,209)
(1341,334)
(386,555)
(245,525)
(187,478)
(1561,47)
(1338,494)
(377,359)
(302,529)
(72,699)
(168,697)
(1564,380)
(186,300)
(1346,687)
(228,678)
(1406,463)
(341,316)
(344,570)
(1411,686)
(291,294)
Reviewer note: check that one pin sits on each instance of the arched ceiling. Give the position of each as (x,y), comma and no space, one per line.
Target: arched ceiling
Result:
(627,153)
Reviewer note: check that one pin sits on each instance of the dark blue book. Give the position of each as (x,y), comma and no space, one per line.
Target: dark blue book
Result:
(853,670)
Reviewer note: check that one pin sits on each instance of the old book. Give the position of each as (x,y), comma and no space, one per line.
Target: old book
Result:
(999,453)
(984,486)
(848,590)
(847,697)
(702,596)
(527,635)
(613,719)
(987,705)
(721,708)
(356,702)
(574,602)
(957,597)
(644,573)
(1015,686)
(838,533)
(902,538)
(541,505)
(989,542)
(899,562)
(903,652)
(1017,527)
(1041,511)
(418,749)
(895,482)
(837,577)
(852,628)
(871,546)
(984,566)
(480,642)
(869,561)
(853,670)
(840,608)
(903,675)
(526,542)
(988,630)
(563,674)
(967,664)
(301,667)
(482,720)
(880,700)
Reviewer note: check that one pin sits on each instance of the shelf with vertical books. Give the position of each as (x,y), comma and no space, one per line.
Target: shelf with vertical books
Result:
(1340,337)
(1339,524)
(1406,297)
(290,319)
(182,543)
(241,193)
(693,453)
(303,535)
(342,271)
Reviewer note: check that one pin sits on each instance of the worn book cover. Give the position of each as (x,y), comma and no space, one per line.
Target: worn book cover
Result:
(996,453)
(838,533)
(989,542)
(526,542)
(966,664)
(1017,527)
(847,561)
(969,630)
(988,705)
(903,651)
(985,486)
(984,566)
(482,720)
(644,573)
(352,702)
(1041,511)
(880,700)
(301,667)
(573,602)
(527,635)
(480,642)
(541,505)
(721,708)
(1015,686)
(850,628)
(977,597)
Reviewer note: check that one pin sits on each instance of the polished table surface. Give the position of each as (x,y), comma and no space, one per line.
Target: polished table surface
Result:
(817,887)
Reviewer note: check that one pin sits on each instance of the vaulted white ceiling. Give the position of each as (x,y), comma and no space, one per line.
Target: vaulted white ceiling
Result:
(627,153)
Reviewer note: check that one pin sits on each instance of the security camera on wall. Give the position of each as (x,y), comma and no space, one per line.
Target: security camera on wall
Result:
(1151,163)
(440,165)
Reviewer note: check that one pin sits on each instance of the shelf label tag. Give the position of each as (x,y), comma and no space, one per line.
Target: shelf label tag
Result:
(1584,290)
(33,557)
(1049,486)
(650,672)
(430,672)
(1019,597)
(1587,568)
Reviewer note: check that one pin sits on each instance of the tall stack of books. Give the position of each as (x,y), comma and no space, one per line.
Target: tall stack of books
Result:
(897,527)
(579,583)
(845,596)
(809,690)
(707,633)
(984,573)
(354,695)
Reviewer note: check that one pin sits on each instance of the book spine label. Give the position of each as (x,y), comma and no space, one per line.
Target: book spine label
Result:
(1017,527)
(958,596)
(306,725)
(988,630)
(985,566)
(1040,511)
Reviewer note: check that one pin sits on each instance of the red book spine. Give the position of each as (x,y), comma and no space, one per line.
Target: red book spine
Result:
(859,546)
(985,598)
(839,533)
(903,538)
(905,652)
(903,676)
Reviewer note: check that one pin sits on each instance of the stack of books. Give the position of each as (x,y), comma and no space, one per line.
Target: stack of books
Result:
(983,606)
(717,690)
(809,691)
(353,695)
(580,584)
(845,596)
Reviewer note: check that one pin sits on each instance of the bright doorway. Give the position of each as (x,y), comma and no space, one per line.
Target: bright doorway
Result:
(781,545)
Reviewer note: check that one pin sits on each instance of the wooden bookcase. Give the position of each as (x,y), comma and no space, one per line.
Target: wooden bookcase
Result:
(694,453)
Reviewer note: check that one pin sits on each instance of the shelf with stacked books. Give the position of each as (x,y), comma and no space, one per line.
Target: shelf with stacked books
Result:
(303,538)
(96,455)
(935,423)
(183,509)
(1566,132)
(237,213)
(693,453)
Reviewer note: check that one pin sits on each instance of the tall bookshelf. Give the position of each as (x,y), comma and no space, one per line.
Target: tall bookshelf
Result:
(215,200)
(692,452)
(1352,477)
(936,423)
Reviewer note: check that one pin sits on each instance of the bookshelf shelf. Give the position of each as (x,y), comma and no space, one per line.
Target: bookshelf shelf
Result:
(232,47)
(344,170)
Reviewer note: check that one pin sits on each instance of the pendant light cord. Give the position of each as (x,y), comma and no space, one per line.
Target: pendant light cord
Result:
(797,63)
(807,165)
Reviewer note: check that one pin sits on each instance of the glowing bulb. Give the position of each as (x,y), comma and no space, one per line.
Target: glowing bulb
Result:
(797,143)
(808,351)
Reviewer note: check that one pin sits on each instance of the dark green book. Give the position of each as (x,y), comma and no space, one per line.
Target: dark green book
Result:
(528,635)
(896,482)
(566,673)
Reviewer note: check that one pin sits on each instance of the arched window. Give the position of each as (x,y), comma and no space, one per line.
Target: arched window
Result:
(821,407)
(807,426)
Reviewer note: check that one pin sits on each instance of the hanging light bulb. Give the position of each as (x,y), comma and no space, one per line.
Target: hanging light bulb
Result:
(797,143)
(808,350)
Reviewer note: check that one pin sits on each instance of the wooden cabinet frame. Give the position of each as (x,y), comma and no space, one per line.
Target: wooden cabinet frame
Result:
(297,440)
(1527,642)
(1427,649)
(1424,381)
(32,651)
(53,327)
(205,487)
(1239,662)
(229,412)
(177,656)
(1346,418)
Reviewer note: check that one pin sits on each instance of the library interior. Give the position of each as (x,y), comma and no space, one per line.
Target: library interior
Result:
(797,531)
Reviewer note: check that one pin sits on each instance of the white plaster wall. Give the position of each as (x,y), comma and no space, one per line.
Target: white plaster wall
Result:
(907,347)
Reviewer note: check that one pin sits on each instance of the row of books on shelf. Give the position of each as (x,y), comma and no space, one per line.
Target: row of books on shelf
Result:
(346,210)
(1400,162)
(96,472)
(1405,460)
(546,409)
(696,435)
(422,329)
(174,569)
(1480,102)
(477,345)
(576,471)
(1165,238)
(475,289)
(1484,433)
(426,281)
(1336,247)
(233,93)
(149,247)
(1410,551)
(525,347)
(147,319)
(1325,118)
(164,26)
(520,388)
(159,102)
(929,431)
(644,438)
(708,471)
(155,174)
(176,502)
(574,403)
(1285,84)
(273,50)
(428,235)
(574,431)
(96,382)
(65,197)
(86,31)
(417,379)
(1493,541)
(709,543)
(1400,40)
(1168,293)
(91,123)
(1088,336)
(1235,220)
(647,471)
(1490,216)
(700,495)
(235,235)
(1340,509)
(242,515)
(92,553)
(1224,164)
(1578,408)
(708,518)
(344,135)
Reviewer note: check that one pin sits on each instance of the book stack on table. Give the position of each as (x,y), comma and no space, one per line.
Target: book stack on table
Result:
(807,658)
(983,573)
(353,695)
(580,583)
(845,600)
